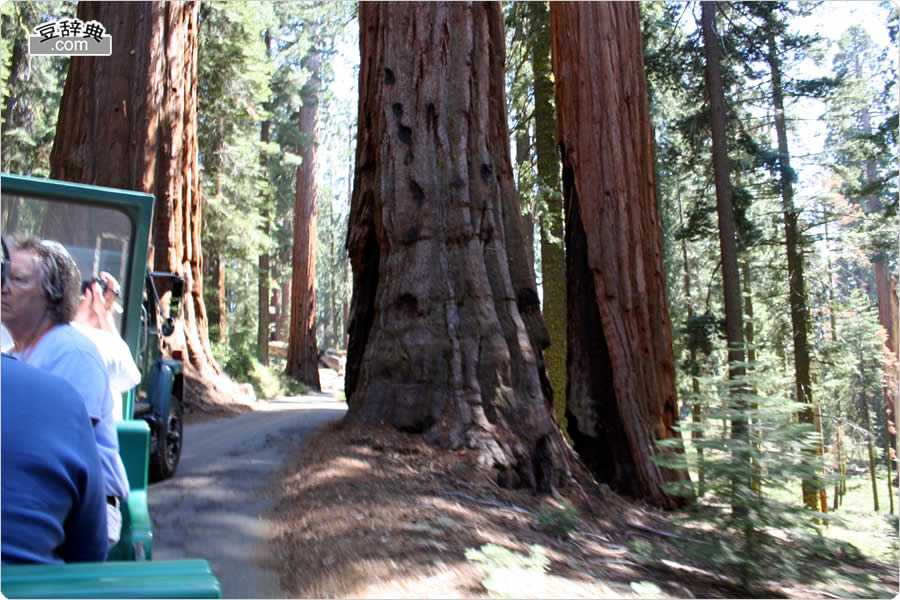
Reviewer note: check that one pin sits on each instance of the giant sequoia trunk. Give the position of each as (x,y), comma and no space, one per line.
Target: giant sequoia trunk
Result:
(621,395)
(445,328)
(302,355)
(129,121)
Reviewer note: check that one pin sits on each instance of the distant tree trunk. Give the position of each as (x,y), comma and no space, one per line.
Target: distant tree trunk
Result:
(345,339)
(275,308)
(445,327)
(893,400)
(523,149)
(888,318)
(263,301)
(813,492)
(621,395)
(263,293)
(16,64)
(335,319)
(887,461)
(262,331)
(734,333)
(553,257)
(885,295)
(129,121)
(841,481)
(302,354)
(285,305)
(218,315)
(870,445)
(222,305)
(750,339)
(696,406)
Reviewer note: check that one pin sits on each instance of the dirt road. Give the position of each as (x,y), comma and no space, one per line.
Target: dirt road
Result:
(212,507)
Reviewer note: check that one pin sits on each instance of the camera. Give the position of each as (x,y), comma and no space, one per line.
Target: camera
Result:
(86,284)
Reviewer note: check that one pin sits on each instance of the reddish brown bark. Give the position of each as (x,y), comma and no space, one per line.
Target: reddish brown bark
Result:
(285,311)
(893,398)
(303,356)
(886,289)
(445,325)
(622,396)
(129,121)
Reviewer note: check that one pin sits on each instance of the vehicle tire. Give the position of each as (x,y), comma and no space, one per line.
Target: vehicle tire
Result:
(164,453)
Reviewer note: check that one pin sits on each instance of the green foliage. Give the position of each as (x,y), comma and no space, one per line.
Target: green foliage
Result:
(741,471)
(337,112)
(508,573)
(838,259)
(644,551)
(558,520)
(32,88)
(645,589)
(238,358)
(237,354)
(533,194)
(253,72)
(332,281)
(701,330)
(233,76)
(862,127)
(854,530)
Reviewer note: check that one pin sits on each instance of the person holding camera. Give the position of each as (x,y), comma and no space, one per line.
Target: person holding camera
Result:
(99,313)
(94,319)
(39,300)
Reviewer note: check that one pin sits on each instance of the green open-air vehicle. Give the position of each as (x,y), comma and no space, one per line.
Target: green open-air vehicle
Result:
(108,230)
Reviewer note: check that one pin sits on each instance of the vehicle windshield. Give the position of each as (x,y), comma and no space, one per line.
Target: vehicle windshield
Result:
(97,237)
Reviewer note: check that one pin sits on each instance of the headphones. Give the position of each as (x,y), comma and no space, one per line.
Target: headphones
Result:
(5,269)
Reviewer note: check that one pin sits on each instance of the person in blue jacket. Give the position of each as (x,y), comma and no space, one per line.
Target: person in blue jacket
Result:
(52,496)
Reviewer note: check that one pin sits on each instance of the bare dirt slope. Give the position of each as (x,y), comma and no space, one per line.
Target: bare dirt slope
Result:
(214,397)
(369,512)
(374,513)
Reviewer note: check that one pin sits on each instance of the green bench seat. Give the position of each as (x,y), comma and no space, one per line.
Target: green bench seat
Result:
(128,572)
(191,578)
(136,541)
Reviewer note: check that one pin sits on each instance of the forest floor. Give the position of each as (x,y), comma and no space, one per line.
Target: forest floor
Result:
(370,512)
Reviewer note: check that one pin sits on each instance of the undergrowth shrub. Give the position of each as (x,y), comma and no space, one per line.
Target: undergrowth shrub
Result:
(508,574)
(560,520)
(739,474)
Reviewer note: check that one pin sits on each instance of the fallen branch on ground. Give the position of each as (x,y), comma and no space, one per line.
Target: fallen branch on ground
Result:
(660,532)
(487,502)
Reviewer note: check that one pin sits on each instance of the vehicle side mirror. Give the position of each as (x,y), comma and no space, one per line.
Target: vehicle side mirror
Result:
(168,327)
(174,303)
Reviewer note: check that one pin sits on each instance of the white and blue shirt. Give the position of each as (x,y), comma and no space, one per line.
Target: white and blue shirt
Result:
(68,354)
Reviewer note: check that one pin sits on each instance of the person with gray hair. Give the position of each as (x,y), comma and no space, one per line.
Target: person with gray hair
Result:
(39,299)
